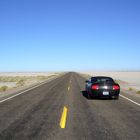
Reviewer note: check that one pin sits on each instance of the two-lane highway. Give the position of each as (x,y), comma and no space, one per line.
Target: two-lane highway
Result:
(40,113)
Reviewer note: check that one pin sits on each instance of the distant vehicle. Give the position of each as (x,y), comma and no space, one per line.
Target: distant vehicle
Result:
(102,86)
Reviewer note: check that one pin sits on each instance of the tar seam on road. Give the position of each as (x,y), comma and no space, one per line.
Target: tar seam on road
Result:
(63,118)
(24,91)
(130,100)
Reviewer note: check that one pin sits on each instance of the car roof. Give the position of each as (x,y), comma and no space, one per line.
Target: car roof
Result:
(101,77)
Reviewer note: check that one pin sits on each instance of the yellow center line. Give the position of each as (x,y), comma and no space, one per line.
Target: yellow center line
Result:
(68,88)
(69,85)
(63,118)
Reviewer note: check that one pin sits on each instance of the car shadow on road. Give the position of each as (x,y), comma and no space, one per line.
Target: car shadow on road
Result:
(84,93)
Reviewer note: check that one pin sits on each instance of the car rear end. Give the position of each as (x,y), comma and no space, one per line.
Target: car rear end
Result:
(105,88)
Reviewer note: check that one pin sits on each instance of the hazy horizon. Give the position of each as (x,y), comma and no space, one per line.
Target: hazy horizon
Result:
(70,71)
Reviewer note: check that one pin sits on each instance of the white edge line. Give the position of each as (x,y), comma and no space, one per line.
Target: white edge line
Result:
(26,90)
(130,100)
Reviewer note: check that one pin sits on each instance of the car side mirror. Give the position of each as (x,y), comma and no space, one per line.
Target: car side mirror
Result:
(86,81)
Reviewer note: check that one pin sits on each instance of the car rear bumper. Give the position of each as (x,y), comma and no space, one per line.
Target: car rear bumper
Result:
(100,94)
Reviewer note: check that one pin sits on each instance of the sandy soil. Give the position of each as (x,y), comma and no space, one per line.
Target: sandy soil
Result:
(31,78)
(29,83)
(9,84)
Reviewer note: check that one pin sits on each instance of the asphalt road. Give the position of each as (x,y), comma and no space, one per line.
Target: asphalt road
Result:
(36,114)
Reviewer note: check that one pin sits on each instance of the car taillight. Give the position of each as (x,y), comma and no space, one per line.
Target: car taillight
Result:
(95,87)
(116,87)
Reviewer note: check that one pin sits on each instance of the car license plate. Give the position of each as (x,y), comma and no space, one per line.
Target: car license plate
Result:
(105,93)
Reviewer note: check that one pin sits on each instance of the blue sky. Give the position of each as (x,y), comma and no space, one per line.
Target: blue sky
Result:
(69,35)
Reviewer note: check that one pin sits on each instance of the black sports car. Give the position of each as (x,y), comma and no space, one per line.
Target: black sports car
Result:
(102,86)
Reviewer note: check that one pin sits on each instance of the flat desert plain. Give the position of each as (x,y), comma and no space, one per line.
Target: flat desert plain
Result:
(12,79)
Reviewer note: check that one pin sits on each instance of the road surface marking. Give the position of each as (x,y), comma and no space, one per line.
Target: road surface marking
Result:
(63,118)
(25,91)
(68,88)
(130,100)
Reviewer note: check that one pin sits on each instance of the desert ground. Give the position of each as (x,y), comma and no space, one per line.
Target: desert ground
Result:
(12,80)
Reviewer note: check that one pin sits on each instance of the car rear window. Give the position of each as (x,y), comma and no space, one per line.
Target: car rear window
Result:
(102,80)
